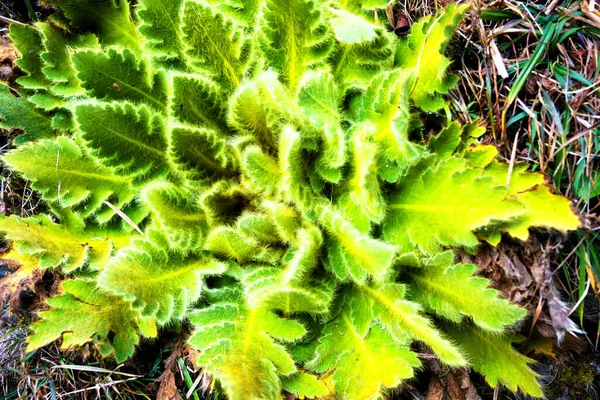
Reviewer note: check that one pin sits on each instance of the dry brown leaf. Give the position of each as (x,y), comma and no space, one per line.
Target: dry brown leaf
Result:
(25,277)
(455,385)
(168,388)
(7,53)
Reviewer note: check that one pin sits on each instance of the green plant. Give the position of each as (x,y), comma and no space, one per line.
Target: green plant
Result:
(246,166)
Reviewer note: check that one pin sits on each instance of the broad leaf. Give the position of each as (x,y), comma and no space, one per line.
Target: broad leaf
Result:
(161,28)
(424,209)
(86,314)
(304,386)
(110,19)
(494,357)
(58,245)
(215,43)
(119,76)
(435,286)
(64,174)
(238,348)
(28,42)
(293,45)
(129,138)
(353,254)
(17,112)
(423,51)
(364,357)
(161,283)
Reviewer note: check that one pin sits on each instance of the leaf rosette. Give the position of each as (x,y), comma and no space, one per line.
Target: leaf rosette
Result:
(246,165)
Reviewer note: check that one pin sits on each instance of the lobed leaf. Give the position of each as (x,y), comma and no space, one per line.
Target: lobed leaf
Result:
(160,283)
(86,314)
(434,286)
(238,346)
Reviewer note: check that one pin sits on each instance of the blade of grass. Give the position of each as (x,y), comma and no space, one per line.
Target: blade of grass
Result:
(30,11)
(539,51)
(186,375)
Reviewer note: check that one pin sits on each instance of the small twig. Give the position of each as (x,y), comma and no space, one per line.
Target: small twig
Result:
(513,156)
(95,369)
(124,216)
(9,21)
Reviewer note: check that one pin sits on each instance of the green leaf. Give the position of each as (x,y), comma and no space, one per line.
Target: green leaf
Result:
(423,52)
(198,100)
(545,210)
(64,174)
(290,289)
(161,283)
(86,314)
(353,254)
(110,19)
(292,45)
(129,138)
(161,27)
(17,112)
(285,219)
(303,385)
(355,64)
(363,186)
(58,245)
(424,209)
(541,208)
(403,320)
(350,28)
(364,357)
(178,213)
(294,181)
(28,41)
(320,100)
(215,43)
(48,102)
(385,105)
(262,171)
(258,226)
(261,107)
(434,285)
(200,153)
(364,7)
(494,357)
(446,142)
(238,346)
(57,58)
(229,243)
(115,75)
(271,288)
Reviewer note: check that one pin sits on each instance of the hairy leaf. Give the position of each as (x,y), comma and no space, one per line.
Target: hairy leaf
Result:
(304,386)
(56,245)
(434,286)
(423,209)
(423,51)
(364,357)
(64,174)
(215,43)
(494,357)
(161,28)
(238,346)
(17,112)
(120,76)
(293,45)
(86,314)
(124,136)
(161,283)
